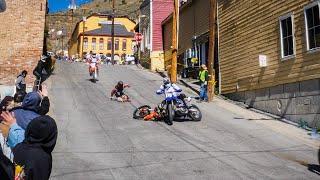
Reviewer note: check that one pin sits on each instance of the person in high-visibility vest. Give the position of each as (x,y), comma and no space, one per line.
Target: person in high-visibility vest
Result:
(203,77)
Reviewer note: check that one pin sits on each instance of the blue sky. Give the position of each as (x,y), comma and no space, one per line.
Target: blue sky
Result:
(59,5)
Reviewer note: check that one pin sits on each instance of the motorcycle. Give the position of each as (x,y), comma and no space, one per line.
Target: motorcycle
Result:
(177,107)
(94,72)
(143,111)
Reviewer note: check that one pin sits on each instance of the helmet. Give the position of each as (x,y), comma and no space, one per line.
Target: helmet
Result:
(166,81)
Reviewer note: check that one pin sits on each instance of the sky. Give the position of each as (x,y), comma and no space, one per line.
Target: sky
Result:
(59,5)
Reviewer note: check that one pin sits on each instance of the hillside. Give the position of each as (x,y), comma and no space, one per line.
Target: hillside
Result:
(65,20)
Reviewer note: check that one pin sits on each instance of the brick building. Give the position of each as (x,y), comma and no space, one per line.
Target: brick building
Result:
(22,38)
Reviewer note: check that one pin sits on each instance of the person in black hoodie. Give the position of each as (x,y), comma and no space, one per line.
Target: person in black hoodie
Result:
(6,167)
(34,153)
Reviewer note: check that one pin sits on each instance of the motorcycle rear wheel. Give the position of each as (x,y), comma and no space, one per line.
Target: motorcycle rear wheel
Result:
(141,112)
(195,113)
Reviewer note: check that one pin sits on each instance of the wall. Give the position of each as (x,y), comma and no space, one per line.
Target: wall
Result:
(248,29)
(194,22)
(160,10)
(22,35)
(286,87)
(105,50)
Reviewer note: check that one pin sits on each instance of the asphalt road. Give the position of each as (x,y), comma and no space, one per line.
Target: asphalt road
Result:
(98,139)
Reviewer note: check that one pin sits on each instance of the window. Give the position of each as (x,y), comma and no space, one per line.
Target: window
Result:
(116,44)
(101,46)
(124,45)
(287,36)
(93,45)
(85,43)
(312,21)
(109,44)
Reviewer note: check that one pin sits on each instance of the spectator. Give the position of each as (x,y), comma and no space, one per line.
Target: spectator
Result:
(203,77)
(18,97)
(21,82)
(33,105)
(6,167)
(4,106)
(34,153)
(43,70)
(16,133)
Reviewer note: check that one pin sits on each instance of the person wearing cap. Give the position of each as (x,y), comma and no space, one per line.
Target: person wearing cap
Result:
(203,77)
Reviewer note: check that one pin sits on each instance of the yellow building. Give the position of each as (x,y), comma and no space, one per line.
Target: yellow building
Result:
(94,34)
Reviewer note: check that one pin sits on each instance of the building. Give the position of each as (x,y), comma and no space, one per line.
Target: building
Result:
(95,35)
(193,38)
(270,58)
(152,13)
(22,39)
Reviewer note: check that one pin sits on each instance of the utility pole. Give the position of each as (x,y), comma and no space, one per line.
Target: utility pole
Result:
(175,41)
(84,19)
(212,38)
(112,32)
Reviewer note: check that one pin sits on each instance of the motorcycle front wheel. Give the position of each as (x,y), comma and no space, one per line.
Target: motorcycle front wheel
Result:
(141,112)
(170,114)
(195,113)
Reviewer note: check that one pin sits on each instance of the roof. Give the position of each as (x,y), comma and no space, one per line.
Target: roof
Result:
(105,30)
(103,14)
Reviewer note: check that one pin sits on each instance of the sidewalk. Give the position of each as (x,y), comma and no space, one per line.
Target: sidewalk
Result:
(270,121)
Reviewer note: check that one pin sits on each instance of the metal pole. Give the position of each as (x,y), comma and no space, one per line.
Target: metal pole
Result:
(112,32)
(212,37)
(83,28)
(139,43)
(175,42)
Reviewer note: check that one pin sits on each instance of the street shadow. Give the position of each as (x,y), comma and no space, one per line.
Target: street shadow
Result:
(183,120)
(91,80)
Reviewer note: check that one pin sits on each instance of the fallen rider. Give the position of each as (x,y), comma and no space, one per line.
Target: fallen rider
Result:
(118,92)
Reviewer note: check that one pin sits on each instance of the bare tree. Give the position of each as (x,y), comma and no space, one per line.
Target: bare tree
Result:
(2,5)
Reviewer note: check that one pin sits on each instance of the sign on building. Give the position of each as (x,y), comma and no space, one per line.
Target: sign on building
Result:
(262,61)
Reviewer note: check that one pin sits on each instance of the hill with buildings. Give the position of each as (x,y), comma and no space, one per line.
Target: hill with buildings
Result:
(66,20)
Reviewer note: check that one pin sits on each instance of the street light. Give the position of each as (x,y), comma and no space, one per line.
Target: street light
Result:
(84,19)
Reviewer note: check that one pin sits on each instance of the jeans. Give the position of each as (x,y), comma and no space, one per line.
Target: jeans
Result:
(203,92)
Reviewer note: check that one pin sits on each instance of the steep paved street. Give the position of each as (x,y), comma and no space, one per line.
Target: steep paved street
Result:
(98,139)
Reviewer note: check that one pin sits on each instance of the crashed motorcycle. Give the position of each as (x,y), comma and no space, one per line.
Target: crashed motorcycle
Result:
(179,106)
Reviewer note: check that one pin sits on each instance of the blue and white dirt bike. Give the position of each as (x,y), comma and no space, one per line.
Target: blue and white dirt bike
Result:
(179,106)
